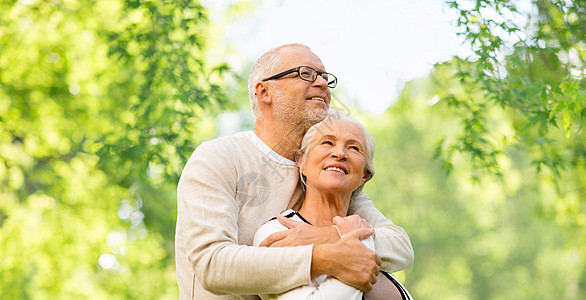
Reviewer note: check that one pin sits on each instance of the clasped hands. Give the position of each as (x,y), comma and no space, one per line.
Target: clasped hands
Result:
(346,258)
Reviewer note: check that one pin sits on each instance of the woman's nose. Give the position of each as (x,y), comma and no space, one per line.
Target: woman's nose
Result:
(338,154)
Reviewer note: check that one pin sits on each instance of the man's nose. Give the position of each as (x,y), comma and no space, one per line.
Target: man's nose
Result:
(320,81)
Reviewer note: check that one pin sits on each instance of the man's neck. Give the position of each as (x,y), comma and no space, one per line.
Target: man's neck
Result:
(284,140)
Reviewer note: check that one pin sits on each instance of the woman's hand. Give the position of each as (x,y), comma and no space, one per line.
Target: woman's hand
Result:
(350,223)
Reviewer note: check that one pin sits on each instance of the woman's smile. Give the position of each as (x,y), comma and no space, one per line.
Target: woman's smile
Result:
(336,160)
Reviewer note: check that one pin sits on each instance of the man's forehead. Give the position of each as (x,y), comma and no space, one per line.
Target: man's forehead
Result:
(294,56)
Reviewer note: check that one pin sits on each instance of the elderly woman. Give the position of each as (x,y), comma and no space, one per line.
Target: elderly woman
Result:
(335,160)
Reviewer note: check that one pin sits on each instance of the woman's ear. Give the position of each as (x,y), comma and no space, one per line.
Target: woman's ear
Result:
(262,92)
(365,177)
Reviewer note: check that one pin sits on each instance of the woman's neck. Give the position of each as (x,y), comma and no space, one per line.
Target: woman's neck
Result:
(319,209)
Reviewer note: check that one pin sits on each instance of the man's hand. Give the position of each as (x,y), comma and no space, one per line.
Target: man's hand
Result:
(348,260)
(299,234)
(350,223)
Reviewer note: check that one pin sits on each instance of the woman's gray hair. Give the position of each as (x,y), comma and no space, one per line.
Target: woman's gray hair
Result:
(267,65)
(338,115)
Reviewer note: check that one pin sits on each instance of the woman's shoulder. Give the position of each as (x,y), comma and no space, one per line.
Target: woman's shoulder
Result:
(272,226)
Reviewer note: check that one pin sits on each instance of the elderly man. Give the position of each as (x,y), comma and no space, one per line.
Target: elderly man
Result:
(231,185)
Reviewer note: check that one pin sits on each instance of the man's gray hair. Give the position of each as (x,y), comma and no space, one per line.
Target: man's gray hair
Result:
(267,65)
(338,115)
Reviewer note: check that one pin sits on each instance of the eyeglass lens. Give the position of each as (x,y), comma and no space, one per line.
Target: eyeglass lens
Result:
(310,74)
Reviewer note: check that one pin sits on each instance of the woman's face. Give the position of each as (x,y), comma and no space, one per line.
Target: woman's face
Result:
(336,158)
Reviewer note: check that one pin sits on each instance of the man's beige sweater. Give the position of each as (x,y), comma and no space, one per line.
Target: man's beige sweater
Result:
(232,185)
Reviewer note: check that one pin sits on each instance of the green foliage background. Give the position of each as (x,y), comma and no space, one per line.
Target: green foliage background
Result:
(483,162)
(101,103)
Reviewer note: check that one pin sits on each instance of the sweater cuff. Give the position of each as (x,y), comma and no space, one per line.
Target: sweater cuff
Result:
(309,256)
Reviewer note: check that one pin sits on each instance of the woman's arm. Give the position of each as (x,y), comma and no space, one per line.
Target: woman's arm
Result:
(321,289)
(330,289)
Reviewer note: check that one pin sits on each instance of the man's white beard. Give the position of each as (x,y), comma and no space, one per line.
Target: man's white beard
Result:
(300,118)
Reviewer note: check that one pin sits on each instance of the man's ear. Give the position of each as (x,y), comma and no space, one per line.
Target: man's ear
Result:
(262,92)
(299,160)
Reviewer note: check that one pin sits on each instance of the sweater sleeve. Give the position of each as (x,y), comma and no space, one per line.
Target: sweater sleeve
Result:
(207,228)
(391,241)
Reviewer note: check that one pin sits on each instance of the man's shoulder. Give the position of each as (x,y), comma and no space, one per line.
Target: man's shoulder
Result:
(232,144)
(227,140)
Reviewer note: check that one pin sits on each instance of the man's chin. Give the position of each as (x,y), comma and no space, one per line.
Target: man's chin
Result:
(317,115)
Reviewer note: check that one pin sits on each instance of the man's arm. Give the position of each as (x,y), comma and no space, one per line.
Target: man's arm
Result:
(351,259)
(331,288)
(391,242)
(207,233)
(347,259)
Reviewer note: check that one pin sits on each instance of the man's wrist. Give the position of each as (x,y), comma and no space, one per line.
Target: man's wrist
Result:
(320,264)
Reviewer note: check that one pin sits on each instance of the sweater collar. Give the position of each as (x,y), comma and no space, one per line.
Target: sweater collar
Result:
(274,156)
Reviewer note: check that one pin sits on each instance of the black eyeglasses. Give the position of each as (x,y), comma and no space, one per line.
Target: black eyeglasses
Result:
(308,74)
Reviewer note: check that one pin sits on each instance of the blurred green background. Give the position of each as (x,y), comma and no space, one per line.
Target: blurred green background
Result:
(482,161)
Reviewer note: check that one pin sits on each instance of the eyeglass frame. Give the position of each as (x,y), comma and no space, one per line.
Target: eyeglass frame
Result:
(296,69)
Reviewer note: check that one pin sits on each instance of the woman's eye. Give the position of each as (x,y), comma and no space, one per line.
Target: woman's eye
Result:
(355,148)
(326,142)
